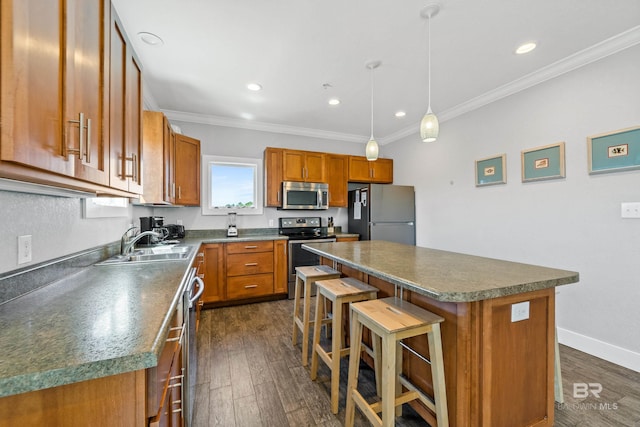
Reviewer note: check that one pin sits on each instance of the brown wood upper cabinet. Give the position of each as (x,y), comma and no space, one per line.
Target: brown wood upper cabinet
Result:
(172,163)
(125,112)
(273,176)
(362,170)
(54,101)
(306,166)
(337,171)
(187,171)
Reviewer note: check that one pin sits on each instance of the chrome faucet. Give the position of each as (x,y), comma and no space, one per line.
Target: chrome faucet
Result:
(126,243)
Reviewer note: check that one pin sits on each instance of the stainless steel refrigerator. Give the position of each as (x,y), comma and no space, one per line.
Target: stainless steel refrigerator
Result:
(383,212)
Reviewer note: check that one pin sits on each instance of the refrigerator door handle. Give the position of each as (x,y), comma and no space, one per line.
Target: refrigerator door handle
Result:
(390,222)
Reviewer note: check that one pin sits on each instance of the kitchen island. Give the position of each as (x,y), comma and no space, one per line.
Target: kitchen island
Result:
(499,329)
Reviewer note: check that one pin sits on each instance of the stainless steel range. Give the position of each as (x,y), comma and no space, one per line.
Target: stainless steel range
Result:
(300,230)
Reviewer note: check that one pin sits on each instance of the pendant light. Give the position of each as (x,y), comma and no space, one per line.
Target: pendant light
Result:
(371,150)
(429,126)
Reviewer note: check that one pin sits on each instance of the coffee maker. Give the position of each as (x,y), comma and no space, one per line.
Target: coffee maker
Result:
(232,230)
(152,223)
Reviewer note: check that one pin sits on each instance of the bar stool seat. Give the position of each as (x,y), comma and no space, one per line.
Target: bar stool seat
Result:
(305,277)
(391,320)
(339,292)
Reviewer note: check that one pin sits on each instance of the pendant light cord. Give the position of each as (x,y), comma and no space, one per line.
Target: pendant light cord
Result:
(372,68)
(429,59)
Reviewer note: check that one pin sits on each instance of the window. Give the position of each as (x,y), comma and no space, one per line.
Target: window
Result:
(232,184)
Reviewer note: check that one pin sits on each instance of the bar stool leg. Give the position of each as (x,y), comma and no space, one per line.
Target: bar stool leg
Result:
(437,375)
(389,377)
(354,362)
(376,342)
(317,325)
(305,323)
(296,309)
(336,350)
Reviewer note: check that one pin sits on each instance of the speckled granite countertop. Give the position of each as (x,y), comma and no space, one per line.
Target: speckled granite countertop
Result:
(101,320)
(442,275)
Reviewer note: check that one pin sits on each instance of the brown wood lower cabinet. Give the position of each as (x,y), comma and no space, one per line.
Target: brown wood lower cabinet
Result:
(243,270)
(138,398)
(497,372)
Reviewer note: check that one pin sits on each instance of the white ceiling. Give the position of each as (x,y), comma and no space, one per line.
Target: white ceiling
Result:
(213,48)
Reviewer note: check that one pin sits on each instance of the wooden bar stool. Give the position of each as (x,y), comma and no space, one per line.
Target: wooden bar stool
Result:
(305,277)
(339,292)
(392,320)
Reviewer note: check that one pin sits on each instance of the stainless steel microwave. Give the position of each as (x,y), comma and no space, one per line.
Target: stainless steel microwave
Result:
(305,195)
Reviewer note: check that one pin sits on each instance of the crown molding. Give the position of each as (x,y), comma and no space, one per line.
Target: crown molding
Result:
(148,100)
(260,126)
(584,57)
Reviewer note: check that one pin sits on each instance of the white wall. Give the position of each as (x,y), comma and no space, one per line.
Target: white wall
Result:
(571,223)
(233,142)
(56,225)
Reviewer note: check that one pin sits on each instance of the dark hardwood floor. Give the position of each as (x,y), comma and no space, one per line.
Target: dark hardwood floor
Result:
(249,374)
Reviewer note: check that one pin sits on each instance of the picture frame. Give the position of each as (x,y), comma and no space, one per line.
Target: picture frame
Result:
(614,151)
(542,163)
(491,170)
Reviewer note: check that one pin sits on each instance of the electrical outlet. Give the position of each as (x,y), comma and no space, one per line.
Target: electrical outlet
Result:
(630,209)
(270,223)
(519,311)
(24,249)
(179,222)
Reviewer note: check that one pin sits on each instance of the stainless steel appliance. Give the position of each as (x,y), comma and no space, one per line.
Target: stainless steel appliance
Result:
(232,230)
(301,230)
(192,293)
(305,195)
(383,212)
(155,224)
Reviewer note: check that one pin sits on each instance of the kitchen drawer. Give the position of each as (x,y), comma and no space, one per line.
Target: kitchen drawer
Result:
(255,285)
(242,264)
(247,247)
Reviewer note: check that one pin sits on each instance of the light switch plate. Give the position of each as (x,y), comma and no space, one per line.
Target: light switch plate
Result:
(519,311)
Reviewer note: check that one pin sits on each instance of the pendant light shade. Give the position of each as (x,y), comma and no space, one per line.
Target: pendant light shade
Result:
(371,150)
(429,127)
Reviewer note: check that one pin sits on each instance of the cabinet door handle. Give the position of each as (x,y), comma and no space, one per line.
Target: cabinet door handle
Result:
(179,192)
(251,264)
(250,286)
(83,139)
(88,152)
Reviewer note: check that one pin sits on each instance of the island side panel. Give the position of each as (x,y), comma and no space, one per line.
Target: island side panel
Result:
(457,337)
(517,361)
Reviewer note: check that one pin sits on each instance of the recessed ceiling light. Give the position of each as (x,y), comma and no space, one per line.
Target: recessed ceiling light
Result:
(150,39)
(254,87)
(525,48)
(334,101)
(400,114)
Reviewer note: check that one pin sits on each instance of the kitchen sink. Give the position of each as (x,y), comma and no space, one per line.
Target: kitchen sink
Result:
(152,254)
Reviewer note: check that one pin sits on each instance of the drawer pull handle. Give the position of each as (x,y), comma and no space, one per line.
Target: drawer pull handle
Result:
(175,385)
(179,337)
(251,247)
(250,286)
(251,264)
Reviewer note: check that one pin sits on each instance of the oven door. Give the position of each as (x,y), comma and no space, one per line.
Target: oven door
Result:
(299,257)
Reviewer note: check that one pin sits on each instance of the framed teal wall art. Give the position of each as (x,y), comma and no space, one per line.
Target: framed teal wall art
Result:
(543,163)
(614,151)
(492,170)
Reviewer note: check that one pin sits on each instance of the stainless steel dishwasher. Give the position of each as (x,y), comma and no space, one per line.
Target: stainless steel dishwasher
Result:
(192,293)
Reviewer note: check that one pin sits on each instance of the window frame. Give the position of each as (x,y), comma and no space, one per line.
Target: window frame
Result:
(207,160)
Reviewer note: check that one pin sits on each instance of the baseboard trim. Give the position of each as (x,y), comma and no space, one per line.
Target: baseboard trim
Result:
(609,352)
